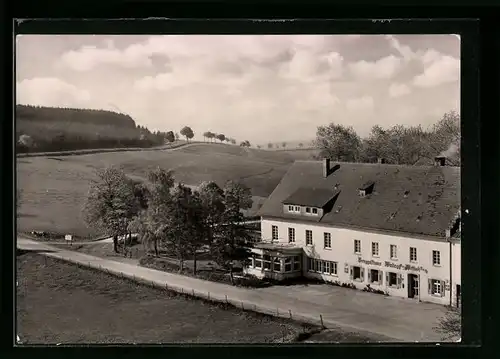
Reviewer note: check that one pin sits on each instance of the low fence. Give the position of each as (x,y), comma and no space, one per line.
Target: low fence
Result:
(278,311)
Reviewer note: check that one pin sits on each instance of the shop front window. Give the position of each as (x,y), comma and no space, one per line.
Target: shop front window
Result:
(258,261)
(276,265)
(288,264)
(267,262)
(296,263)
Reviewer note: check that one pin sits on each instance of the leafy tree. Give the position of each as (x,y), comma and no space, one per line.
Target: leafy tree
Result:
(228,140)
(169,136)
(283,144)
(450,325)
(221,137)
(233,141)
(211,135)
(338,142)
(232,243)
(212,200)
(206,135)
(187,132)
(269,145)
(301,145)
(445,137)
(111,204)
(245,143)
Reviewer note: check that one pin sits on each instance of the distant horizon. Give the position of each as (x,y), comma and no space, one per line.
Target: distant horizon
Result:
(259,88)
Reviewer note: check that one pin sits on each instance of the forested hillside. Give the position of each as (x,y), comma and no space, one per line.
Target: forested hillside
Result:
(40,129)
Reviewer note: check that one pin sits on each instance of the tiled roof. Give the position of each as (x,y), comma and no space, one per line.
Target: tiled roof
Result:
(420,200)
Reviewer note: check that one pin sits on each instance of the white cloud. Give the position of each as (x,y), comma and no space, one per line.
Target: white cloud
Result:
(440,70)
(49,91)
(405,51)
(360,104)
(397,90)
(383,68)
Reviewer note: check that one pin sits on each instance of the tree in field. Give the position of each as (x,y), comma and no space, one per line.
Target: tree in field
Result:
(183,224)
(233,141)
(212,201)
(301,145)
(150,222)
(450,325)
(111,203)
(269,145)
(206,135)
(187,132)
(338,142)
(245,143)
(170,137)
(228,140)
(232,243)
(211,136)
(221,137)
(283,144)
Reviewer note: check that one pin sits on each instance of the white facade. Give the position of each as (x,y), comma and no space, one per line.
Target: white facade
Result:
(432,276)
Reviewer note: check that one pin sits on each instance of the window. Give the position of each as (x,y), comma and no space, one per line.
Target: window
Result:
(436,287)
(323,267)
(328,240)
(436,258)
(309,237)
(314,211)
(296,263)
(257,261)
(357,273)
(308,209)
(291,235)
(267,262)
(375,249)
(394,251)
(413,254)
(293,209)
(288,264)
(375,276)
(392,279)
(276,264)
(275,233)
(357,246)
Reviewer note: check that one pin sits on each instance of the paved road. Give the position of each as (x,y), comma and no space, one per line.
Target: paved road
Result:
(395,318)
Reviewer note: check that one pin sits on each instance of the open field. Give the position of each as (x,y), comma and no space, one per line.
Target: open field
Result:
(59,302)
(54,187)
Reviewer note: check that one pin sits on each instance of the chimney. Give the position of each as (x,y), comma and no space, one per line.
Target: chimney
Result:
(380,160)
(326,167)
(440,161)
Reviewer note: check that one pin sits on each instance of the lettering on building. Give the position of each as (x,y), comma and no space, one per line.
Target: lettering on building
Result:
(369,262)
(407,267)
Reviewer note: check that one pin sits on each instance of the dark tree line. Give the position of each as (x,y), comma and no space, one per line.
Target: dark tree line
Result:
(411,145)
(40,129)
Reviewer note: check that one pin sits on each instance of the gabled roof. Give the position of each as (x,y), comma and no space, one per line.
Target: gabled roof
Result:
(420,200)
(312,197)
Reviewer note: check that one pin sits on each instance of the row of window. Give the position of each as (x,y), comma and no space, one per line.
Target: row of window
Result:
(273,264)
(327,244)
(297,209)
(374,276)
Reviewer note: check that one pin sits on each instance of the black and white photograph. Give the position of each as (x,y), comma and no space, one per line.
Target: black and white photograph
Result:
(285,189)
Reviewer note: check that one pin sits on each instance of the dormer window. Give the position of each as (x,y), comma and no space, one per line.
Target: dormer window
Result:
(366,188)
(311,211)
(308,209)
(314,211)
(294,209)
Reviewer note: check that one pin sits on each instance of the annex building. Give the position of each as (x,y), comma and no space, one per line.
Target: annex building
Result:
(391,228)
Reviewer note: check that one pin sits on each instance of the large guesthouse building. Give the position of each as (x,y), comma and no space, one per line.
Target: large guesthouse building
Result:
(386,228)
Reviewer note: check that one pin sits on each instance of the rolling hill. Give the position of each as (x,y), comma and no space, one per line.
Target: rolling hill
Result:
(54,187)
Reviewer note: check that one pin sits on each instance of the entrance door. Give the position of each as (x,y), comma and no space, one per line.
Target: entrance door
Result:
(459,295)
(413,286)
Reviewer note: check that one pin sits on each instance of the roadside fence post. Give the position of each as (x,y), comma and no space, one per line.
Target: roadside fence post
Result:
(290,312)
(193,292)
(166,286)
(226,298)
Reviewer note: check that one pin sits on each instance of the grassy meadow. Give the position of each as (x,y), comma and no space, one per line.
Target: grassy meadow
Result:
(54,187)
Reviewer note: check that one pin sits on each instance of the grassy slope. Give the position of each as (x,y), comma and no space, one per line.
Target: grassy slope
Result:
(54,188)
(58,302)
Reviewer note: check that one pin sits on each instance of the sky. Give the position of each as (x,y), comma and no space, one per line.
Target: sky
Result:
(259,88)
